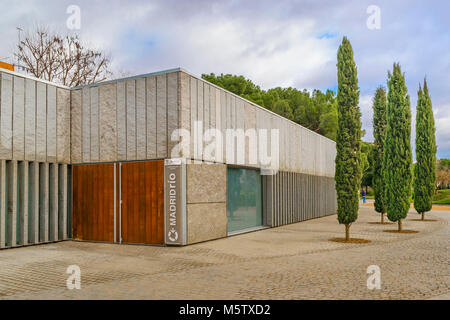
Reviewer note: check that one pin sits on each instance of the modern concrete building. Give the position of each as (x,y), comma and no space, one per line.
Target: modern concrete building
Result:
(161,158)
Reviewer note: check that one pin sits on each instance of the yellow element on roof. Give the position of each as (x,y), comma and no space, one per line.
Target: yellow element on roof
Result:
(7,66)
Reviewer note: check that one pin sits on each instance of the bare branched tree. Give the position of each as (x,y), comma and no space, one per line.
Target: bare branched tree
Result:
(61,59)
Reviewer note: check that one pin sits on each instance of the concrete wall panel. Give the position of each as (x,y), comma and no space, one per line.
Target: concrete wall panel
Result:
(30,119)
(200,120)
(206,183)
(208,156)
(151,117)
(206,108)
(95,146)
(63,125)
(193,112)
(121,121)
(51,123)
(6,112)
(76,126)
(131,119)
(107,122)
(212,107)
(184,98)
(86,128)
(19,118)
(141,121)
(161,116)
(218,126)
(172,110)
(206,201)
(206,221)
(41,121)
(223,122)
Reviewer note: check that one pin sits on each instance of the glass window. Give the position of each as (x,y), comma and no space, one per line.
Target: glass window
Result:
(243,199)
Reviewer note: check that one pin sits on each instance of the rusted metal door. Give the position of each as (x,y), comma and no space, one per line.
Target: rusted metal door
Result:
(93,202)
(142,195)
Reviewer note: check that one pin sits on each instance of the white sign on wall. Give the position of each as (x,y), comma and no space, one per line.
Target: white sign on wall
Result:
(175,201)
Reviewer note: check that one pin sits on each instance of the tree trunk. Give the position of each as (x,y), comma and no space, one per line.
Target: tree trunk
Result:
(400,225)
(347,232)
(423,216)
(382,218)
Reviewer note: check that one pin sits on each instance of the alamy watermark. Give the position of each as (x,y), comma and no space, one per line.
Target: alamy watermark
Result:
(373,22)
(73,22)
(374,279)
(257,147)
(74,280)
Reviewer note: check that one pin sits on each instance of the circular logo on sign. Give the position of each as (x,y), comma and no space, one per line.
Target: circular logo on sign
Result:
(172,235)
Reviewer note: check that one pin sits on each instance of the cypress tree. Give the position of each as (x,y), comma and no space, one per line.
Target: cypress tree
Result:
(424,170)
(379,133)
(348,138)
(398,155)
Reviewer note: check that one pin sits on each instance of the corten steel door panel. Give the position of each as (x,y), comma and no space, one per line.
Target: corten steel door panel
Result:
(93,202)
(142,194)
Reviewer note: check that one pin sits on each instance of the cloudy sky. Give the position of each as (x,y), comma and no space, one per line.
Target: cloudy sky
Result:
(274,43)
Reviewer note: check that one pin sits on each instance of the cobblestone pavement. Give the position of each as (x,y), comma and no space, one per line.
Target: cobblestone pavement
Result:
(290,262)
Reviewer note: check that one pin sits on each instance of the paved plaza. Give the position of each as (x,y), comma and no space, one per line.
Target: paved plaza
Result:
(296,261)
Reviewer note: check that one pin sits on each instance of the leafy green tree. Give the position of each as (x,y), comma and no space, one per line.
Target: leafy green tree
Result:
(283,108)
(425,168)
(398,155)
(348,140)
(379,133)
(329,121)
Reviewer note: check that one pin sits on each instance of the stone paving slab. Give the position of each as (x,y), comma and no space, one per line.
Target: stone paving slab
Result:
(290,262)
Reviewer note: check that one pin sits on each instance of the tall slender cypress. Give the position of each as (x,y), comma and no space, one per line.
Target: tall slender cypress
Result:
(425,168)
(348,140)
(379,133)
(398,155)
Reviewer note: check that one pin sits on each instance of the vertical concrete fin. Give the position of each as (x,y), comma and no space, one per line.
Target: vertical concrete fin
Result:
(43,201)
(53,202)
(11,227)
(62,202)
(2,203)
(33,209)
(23,202)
